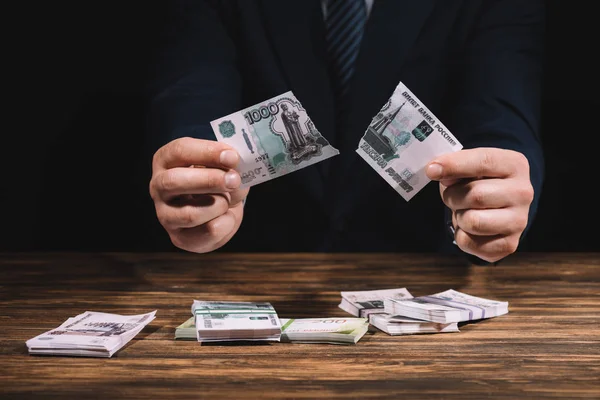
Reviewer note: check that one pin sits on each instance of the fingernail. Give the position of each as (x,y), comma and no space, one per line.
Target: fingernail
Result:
(434,171)
(232,180)
(229,158)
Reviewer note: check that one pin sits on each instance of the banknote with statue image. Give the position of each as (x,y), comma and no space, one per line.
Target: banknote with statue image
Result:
(402,139)
(273,138)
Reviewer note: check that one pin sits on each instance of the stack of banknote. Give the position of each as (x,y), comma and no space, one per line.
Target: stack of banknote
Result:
(367,302)
(91,334)
(324,330)
(397,325)
(370,304)
(235,321)
(446,307)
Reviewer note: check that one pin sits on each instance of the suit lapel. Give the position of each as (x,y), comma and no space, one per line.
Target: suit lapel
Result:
(391,32)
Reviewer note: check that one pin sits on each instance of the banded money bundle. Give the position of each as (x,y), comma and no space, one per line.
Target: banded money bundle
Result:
(446,307)
(324,330)
(367,302)
(235,321)
(397,325)
(91,334)
(370,303)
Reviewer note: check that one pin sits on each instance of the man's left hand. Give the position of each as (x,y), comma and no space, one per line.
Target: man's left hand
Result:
(489,193)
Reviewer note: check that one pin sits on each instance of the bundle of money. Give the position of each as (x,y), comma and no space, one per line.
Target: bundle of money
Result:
(367,302)
(186,330)
(371,304)
(324,330)
(445,307)
(396,325)
(402,139)
(235,321)
(273,138)
(91,334)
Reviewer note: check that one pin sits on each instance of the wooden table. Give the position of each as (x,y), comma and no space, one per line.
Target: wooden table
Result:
(547,346)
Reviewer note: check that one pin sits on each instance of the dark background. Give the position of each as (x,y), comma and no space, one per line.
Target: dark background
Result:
(75,173)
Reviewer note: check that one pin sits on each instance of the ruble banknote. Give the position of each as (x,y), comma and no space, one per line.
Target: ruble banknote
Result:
(402,139)
(273,138)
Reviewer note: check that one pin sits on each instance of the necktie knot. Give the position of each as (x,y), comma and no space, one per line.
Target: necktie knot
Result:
(344,29)
(345,21)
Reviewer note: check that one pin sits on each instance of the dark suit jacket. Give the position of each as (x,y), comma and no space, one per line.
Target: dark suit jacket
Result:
(475,63)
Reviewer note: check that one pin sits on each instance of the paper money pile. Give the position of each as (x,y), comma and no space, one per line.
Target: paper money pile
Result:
(447,307)
(91,334)
(246,321)
(370,304)
(302,330)
(235,321)
(324,330)
(365,303)
(398,325)
(277,137)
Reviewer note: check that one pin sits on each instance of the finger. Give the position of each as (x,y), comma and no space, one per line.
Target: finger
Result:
(474,163)
(488,248)
(482,194)
(450,182)
(237,196)
(184,152)
(499,221)
(454,221)
(175,182)
(204,209)
(205,237)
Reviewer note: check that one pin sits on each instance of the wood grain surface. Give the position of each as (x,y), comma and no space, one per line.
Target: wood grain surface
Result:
(547,346)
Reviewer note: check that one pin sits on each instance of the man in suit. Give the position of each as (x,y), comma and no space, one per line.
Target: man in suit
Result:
(475,63)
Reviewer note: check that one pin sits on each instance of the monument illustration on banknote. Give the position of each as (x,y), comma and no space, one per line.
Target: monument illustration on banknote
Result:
(386,142)
(273,138)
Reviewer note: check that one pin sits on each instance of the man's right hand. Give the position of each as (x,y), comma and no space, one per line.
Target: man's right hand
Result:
(196,193)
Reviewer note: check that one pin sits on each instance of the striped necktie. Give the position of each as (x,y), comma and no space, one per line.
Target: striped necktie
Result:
(344,30)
